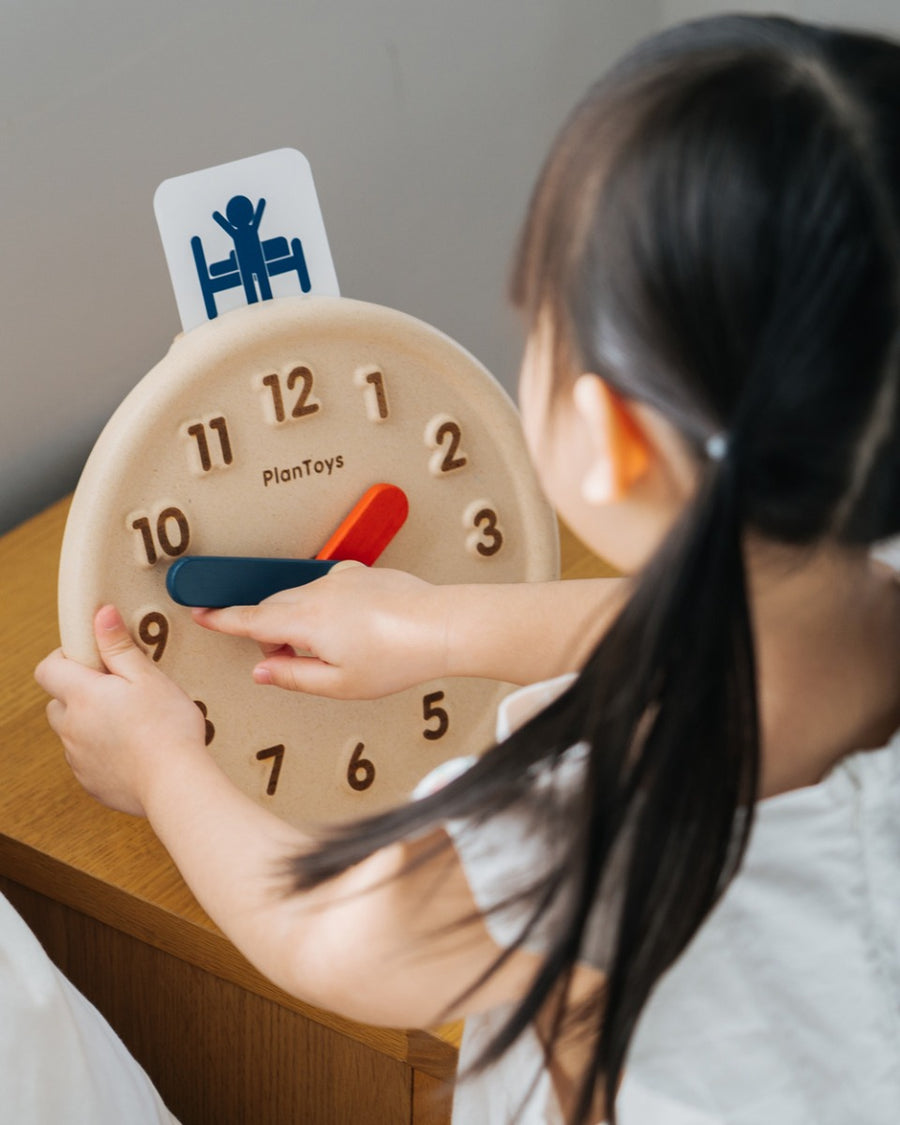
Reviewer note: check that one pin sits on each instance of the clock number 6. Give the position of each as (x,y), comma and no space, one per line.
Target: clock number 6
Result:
(430,711)
(360,772)
(173,534)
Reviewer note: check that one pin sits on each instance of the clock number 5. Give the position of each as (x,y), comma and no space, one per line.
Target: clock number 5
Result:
(430,710)
(172,534)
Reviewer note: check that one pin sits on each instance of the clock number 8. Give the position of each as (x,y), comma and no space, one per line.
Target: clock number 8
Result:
(169,546)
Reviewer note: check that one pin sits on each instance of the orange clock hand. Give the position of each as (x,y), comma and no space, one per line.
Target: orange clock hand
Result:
(369,527)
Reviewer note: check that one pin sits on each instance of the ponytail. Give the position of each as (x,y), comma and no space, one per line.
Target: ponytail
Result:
(715,232)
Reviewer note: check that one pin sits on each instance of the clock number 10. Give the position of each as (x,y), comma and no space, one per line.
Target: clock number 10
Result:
(170,533)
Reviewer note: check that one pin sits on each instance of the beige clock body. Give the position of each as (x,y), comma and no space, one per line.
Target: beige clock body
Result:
(256,435)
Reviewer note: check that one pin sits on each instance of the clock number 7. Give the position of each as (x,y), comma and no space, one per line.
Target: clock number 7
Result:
(276,753)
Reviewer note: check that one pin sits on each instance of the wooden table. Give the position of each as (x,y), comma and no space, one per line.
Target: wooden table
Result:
(221,1043)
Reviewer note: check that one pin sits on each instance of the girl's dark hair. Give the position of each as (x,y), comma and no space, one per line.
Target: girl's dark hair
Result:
(716,233)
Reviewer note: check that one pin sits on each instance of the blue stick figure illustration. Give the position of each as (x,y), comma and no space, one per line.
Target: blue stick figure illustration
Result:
(241,221)
(252,262)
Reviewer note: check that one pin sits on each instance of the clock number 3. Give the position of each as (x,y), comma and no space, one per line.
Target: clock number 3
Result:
(172,534)
(485,537)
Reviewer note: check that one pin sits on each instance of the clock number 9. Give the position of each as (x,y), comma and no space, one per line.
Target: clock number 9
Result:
(443,434)
(304,404)
(169,546)
(360,771)
(430,711)
(154,632)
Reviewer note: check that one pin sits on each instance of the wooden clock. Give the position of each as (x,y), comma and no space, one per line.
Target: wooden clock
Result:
(255,436)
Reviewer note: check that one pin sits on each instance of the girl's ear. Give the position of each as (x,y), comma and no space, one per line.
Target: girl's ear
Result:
(621,449)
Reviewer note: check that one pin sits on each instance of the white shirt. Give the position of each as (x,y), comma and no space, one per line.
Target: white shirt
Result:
(60,1061)
(785,1007)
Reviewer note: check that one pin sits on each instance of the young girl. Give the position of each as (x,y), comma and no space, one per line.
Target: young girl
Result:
(671,892)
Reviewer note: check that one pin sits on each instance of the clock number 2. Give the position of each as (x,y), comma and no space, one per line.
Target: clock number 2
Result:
(173,534)
(276,753)
(304,405)
(443,434)
(430,711)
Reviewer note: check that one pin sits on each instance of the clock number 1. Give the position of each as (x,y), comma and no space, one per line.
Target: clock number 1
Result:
(371,381)
(173,534)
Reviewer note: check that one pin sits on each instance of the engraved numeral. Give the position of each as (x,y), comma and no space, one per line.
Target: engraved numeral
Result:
(375,396)
(304,404)
(430,711)
(154,632)
(198,432)
(172,534)
(360,771)
(487,538)
(444,436)
(276,753)
(210,730)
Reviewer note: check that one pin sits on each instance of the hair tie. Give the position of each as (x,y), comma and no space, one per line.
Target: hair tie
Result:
(717,447)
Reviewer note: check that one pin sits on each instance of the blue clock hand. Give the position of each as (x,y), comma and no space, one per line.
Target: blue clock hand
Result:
(214,581)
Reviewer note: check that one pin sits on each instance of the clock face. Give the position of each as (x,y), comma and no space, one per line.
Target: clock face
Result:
(255,436)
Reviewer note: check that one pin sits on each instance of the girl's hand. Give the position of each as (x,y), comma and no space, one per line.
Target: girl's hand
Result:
(119,727)
(357,633)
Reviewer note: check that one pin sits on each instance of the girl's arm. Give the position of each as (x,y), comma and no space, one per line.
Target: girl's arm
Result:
(365,633)
(392,941)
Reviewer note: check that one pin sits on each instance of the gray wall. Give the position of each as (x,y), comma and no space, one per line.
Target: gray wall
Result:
(424,122)
(877,15)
